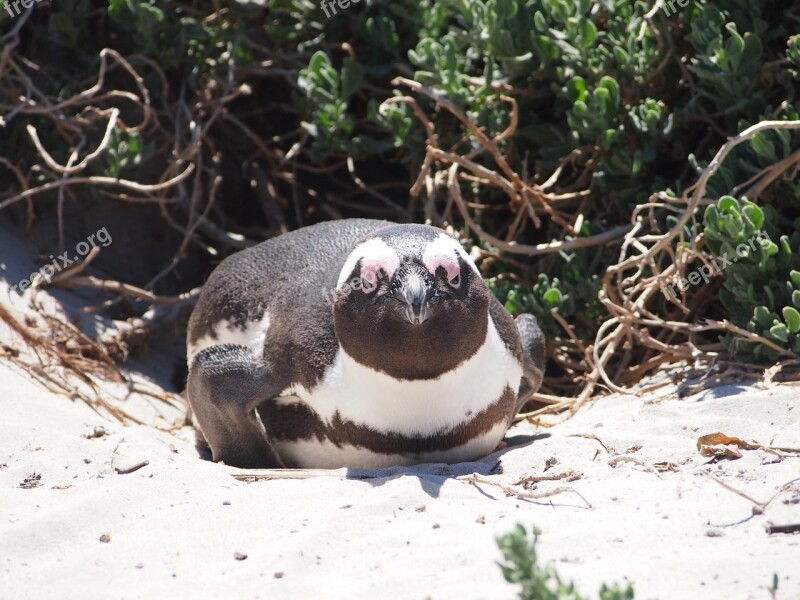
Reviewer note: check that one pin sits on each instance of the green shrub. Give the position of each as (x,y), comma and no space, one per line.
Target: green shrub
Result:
(631,104)
(591,77)
(762,285)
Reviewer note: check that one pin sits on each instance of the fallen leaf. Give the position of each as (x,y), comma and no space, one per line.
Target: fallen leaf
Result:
(720,445)
(717,439)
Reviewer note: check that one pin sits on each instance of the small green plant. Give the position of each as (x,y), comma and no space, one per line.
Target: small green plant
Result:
(773,588)
(570,292)
(124,152)
(328,90)
(521,566)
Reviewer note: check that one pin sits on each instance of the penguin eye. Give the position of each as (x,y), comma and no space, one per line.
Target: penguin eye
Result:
(456,281)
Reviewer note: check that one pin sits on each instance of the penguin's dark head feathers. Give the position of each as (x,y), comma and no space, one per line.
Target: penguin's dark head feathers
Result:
(410,303)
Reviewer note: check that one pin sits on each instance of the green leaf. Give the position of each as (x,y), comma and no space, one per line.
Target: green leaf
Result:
(754,214)
(711,216)
(764,147)
(589,33)
(728,204)
(540,22)
(779,332)
(763,317)
(752,48)
(115,7)
(771,248)
(792,318)
(553,297)
(610,84)
(352,76)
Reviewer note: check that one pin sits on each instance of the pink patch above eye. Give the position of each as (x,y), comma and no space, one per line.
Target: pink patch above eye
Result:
(450,265)
(370,269)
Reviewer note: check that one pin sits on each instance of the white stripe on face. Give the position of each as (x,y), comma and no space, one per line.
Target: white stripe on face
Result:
(444,251)
(374,254)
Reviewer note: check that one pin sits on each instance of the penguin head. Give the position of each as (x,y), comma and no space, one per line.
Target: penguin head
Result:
(410,302)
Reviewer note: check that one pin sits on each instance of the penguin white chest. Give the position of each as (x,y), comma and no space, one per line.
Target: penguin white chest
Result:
(373,420)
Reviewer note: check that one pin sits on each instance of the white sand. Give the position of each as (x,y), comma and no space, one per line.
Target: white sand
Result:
(174,525)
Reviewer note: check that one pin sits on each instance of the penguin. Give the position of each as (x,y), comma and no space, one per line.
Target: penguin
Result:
(356,343)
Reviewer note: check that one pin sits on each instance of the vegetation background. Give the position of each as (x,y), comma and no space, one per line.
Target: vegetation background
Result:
(590,154)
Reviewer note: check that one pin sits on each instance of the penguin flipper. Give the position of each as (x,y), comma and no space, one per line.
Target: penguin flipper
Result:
(225,385)
(533,347)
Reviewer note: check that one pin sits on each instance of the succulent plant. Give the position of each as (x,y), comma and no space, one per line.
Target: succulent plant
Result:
(761,288)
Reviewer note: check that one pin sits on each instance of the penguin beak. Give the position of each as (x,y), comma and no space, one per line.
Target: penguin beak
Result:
(414,294)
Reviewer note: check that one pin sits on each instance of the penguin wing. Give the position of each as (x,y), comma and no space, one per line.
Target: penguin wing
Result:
(525,340)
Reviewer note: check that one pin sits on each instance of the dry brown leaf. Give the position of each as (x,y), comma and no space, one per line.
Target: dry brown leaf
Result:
(717,439)
(725,446)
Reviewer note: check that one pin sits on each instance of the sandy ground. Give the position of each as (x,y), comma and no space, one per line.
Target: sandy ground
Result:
(644,507)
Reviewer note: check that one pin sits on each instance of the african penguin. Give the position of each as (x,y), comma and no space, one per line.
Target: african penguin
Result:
(356,343)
